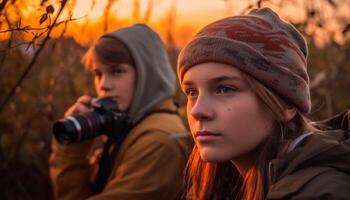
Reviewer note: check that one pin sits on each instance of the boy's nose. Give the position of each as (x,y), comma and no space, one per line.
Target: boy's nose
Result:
(105,83)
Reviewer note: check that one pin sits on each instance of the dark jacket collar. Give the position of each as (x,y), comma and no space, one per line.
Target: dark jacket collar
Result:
(321,151)
(326,148)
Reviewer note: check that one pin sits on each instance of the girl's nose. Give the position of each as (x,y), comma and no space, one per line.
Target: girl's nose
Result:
(201,109)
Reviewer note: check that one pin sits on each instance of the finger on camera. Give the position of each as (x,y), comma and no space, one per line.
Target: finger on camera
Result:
(82,108)
(85,99)
(77,108)
(71,111)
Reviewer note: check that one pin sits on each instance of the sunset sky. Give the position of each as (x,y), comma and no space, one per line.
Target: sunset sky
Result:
(189,16)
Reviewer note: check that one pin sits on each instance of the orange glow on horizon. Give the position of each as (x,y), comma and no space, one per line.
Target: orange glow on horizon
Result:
(189,16)
(187,21)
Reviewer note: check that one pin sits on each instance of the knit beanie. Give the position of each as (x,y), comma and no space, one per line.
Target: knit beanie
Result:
(259,44)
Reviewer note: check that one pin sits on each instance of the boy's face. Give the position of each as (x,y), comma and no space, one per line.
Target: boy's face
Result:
(115,81)
(226,118)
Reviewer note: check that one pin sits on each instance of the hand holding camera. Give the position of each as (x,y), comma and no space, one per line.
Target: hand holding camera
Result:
(89,118)
(81,106)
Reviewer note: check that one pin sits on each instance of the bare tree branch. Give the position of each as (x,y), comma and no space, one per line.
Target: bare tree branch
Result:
(106,14)
(2,5)
(33,61)
(28,28)
(70,14)
(148,12)
(171,24)
(136,11)
(8,44)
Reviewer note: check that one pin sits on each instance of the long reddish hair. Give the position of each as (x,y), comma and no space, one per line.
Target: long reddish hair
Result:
(205,180)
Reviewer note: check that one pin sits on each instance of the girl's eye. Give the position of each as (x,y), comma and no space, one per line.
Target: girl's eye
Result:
(224,89)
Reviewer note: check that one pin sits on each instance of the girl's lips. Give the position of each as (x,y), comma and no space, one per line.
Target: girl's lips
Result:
(206,136)
(206,133)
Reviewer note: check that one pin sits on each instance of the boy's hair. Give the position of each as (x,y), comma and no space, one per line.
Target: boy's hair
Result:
(108,50)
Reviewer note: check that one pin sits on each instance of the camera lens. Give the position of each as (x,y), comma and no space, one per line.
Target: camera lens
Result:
(77,128)
(102,120)
(67,130)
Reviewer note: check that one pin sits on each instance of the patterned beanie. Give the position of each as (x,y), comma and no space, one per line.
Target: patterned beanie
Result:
(259,44)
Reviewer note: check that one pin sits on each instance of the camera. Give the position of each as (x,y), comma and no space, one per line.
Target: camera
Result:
(105,118)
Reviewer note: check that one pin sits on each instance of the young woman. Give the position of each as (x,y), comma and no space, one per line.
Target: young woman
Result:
(131,67)
(247,87)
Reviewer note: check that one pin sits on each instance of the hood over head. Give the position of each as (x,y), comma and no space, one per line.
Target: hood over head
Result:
(156,80)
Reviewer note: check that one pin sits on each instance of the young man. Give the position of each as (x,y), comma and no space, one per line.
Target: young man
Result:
(131,67)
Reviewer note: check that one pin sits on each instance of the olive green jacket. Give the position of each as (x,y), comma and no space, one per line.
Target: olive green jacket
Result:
(149,164)
(318,168)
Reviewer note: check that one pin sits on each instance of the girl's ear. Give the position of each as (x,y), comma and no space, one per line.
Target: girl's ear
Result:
(289,113)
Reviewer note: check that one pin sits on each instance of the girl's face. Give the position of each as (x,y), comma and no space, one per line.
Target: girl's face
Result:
(226,118)
(115,81)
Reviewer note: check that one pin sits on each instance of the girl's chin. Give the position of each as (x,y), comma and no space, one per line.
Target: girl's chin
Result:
(213,157)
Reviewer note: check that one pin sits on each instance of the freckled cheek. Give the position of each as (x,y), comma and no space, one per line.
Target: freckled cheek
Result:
(235,119)
(247,127)
(231,113)
(191,123)
(190,119)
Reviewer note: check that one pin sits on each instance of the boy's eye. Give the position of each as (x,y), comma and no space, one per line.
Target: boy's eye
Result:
(190,92)
(117,71)
(96,74)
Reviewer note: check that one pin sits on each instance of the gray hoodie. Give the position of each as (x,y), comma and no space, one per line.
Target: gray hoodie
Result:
(156,80)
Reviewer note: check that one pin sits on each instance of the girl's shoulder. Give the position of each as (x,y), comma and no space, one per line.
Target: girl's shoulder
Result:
(317,182)
(318,168)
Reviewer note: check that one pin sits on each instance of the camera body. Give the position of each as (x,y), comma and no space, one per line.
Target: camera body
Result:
(105,118)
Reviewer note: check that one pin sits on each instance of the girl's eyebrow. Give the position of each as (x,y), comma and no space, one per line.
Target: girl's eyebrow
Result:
(215,79)
(224,78)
